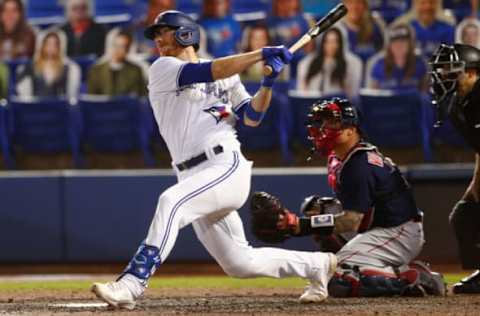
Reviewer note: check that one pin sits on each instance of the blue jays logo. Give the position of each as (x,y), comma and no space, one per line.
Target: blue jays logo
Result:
(219,112)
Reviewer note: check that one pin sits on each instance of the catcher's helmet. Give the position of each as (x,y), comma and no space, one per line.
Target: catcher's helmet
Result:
(326,120)
(187,30)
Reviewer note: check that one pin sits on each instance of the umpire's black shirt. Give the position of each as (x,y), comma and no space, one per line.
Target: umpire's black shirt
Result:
(465,116)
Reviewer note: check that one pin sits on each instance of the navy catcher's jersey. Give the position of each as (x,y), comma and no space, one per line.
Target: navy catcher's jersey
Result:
(465,116)
(367,182)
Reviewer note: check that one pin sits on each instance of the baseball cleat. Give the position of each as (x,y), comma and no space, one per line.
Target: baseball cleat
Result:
(116,294)
(317,290)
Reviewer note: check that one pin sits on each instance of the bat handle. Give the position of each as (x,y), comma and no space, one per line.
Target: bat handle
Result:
(267,70)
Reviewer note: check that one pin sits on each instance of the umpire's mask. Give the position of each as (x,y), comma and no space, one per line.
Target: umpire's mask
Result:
(445,69)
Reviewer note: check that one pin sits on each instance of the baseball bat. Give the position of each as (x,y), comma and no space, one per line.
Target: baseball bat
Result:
(321,26)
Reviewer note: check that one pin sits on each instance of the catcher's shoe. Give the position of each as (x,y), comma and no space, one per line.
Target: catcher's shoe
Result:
(432,282)
(317,290)
(468,285)
(116,294)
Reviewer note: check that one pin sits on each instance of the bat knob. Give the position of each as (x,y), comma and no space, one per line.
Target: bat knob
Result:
(267,70)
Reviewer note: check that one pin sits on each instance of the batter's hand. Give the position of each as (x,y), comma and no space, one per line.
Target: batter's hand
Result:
(277,51)
(277,65)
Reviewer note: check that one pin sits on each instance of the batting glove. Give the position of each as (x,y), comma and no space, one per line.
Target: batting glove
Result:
(277,64)
(277,51)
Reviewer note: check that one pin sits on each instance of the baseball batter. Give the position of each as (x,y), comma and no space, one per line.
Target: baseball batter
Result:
(375,201)
(455,81)
(196,103)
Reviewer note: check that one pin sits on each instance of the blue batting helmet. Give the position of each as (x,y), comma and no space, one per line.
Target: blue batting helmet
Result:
(187,31)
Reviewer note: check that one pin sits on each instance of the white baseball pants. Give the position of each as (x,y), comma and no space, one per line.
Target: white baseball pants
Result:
(208,196)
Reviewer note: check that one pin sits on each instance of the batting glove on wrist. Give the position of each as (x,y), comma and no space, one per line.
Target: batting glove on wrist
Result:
(277,65)
(277,51)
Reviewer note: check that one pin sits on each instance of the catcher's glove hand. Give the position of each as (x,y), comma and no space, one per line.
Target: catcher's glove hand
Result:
(316,205)
(271,222)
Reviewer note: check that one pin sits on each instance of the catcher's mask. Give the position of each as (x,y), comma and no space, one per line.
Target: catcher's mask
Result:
(326,121)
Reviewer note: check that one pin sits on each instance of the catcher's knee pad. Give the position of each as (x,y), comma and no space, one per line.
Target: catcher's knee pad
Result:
(144,263)
(366,282)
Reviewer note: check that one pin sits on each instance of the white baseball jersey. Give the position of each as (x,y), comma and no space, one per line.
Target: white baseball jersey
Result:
(194,117)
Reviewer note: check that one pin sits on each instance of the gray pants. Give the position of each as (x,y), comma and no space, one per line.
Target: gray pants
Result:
(384,248)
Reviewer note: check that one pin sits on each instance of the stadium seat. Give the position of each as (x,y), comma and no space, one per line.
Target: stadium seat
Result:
(4,138)
(44,12)
(12,68)
(190,6)
(396,120)
(391,9)
(46,126)
(250,9)
(85,62)
(115,125)
(300,106)
(275,129)
(114,11)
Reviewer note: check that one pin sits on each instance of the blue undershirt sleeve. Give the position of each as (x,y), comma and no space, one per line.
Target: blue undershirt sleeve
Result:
(195,73)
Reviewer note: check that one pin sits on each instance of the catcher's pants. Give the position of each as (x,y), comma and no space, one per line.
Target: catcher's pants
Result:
(384,247)
(208,196)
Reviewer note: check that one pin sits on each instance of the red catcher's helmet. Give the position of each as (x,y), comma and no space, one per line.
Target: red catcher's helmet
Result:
(326,120)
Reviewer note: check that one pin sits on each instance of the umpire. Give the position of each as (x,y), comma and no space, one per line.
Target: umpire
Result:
(455,74)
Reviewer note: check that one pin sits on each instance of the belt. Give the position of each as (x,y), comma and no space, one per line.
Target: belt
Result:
(195,161)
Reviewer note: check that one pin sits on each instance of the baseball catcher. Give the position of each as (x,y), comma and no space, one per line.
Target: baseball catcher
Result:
(455,71)
(373,224)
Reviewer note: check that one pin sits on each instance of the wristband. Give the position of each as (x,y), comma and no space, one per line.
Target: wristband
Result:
(252,114)
(267,82)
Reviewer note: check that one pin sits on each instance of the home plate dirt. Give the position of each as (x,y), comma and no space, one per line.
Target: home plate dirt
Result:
(230,302)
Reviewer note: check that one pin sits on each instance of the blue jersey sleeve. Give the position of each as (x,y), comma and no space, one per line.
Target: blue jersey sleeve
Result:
(356,184)
(195,73)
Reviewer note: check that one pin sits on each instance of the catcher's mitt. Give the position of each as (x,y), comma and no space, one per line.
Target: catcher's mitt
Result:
(271,222)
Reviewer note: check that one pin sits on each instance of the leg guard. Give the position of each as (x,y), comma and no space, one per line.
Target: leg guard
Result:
(144,263)
(465,220)
(430,282)
(366,282)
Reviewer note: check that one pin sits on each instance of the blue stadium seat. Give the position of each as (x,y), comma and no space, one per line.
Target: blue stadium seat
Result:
(396,119)
(275,129)
(114,11)
(190,6)
(300,106)
(44,12)
(250,6)
(389,10)
(116,125)
(85,62)
(46,126)
(12,68)
(5,146)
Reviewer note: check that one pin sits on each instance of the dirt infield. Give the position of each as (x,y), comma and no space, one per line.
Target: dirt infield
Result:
(230,302)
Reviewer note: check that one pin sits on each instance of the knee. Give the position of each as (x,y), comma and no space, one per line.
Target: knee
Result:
(239,267)
(166,200)
(463,214)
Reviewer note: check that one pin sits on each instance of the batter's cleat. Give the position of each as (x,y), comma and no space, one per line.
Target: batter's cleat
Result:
(317,290)
(468,285)
(116,294)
